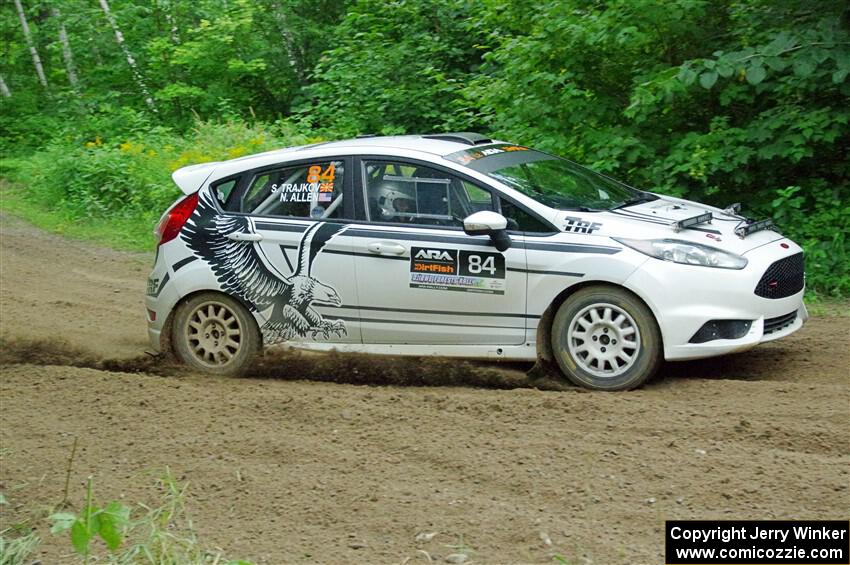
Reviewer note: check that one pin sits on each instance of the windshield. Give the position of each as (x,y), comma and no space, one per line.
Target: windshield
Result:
(550,180)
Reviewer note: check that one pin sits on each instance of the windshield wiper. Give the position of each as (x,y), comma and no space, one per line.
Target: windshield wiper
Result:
(639,199)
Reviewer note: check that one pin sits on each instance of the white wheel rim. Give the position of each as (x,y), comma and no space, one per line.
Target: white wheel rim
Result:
(604,340)
(214,334)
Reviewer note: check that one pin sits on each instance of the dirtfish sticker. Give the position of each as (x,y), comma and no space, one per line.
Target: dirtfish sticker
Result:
(456,270)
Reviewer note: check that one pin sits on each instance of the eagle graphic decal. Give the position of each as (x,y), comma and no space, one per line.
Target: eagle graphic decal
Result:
(244,271)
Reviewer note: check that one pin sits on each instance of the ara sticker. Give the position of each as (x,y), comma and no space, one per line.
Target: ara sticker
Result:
(457,270)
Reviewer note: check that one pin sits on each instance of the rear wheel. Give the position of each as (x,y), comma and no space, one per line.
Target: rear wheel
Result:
(604,338)
(215,333)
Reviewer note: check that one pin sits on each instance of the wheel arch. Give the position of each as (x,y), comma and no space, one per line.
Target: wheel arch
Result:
(545,354)
(165,336)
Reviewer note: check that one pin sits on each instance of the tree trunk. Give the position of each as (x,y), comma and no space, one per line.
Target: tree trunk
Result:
(4,90)
(36,60)
(67,54)
(288,40)
(134,68)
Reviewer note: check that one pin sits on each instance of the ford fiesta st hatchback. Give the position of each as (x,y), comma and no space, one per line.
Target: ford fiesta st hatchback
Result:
(461,246)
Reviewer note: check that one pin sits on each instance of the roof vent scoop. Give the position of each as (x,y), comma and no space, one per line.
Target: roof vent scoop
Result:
(469,138)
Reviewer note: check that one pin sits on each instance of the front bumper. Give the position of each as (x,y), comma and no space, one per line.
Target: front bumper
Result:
(685,297)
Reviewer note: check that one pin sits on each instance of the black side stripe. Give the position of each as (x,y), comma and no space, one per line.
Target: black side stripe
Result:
(182,263)
(538,272)
(573,248)
(371,255)
(374,321)
(274,226)
(459,240)
(162,284)
(417,237)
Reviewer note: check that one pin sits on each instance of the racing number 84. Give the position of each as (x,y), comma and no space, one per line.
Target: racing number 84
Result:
(477,264)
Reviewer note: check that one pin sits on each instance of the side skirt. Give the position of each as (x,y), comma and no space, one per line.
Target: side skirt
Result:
(526,352)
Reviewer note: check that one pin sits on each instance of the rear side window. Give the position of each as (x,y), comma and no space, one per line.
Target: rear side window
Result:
(312,190)
(223,192)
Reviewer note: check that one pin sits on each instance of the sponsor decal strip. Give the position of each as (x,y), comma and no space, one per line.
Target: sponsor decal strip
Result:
(457,270)
(182,263)
(446,312)
(375,321)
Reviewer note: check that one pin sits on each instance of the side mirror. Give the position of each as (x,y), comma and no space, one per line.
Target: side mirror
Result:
(489,223)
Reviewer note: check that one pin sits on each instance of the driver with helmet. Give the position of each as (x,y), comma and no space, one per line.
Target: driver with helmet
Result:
(392,201)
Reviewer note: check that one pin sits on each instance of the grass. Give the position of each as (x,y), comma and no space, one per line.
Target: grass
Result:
(126,234)
(18,550)
(162,534)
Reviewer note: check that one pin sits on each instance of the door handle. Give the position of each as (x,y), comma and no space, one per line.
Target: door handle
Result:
(386,248)
(240,236)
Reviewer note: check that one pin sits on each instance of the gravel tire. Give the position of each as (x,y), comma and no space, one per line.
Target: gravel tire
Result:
(605,338)
(215,334)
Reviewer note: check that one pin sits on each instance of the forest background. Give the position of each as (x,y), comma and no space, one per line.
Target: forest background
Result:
(719,101)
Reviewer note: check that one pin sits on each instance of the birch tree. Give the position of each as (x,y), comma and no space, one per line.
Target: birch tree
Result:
(4,90)
(288,39)
(67,54)
(134,68)
(36,60)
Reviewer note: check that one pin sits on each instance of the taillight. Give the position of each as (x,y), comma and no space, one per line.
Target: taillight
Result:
(174,220)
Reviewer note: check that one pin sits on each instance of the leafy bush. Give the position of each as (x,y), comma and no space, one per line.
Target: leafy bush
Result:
(123,177)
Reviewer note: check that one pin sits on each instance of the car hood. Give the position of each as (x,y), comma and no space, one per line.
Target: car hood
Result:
(655,219)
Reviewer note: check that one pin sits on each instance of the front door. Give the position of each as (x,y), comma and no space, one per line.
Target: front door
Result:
(420,278)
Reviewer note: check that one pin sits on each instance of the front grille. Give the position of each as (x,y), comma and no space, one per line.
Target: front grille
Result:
(773,325)
(783,278)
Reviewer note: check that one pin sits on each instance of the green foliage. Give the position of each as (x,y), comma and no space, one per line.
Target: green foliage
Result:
(715,101)
(130,177)
(163,535)
(394,69)
(108,523)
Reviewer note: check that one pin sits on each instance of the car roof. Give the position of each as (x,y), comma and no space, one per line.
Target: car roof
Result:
(441,144)
(438,144)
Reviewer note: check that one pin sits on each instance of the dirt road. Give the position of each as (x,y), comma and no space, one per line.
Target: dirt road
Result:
(286,470)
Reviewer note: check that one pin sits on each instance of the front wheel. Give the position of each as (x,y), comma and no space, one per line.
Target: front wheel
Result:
(215,333)
(605,338)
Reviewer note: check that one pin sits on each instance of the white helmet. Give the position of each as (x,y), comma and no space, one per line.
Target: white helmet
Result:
(394,198)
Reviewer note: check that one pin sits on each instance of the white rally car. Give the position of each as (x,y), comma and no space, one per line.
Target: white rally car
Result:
(462,246)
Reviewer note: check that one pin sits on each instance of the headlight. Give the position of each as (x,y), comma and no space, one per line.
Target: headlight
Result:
(685,252)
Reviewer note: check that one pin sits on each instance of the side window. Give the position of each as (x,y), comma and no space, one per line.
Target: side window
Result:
(223,192)
(520,220)
(413,194)
(312,190)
